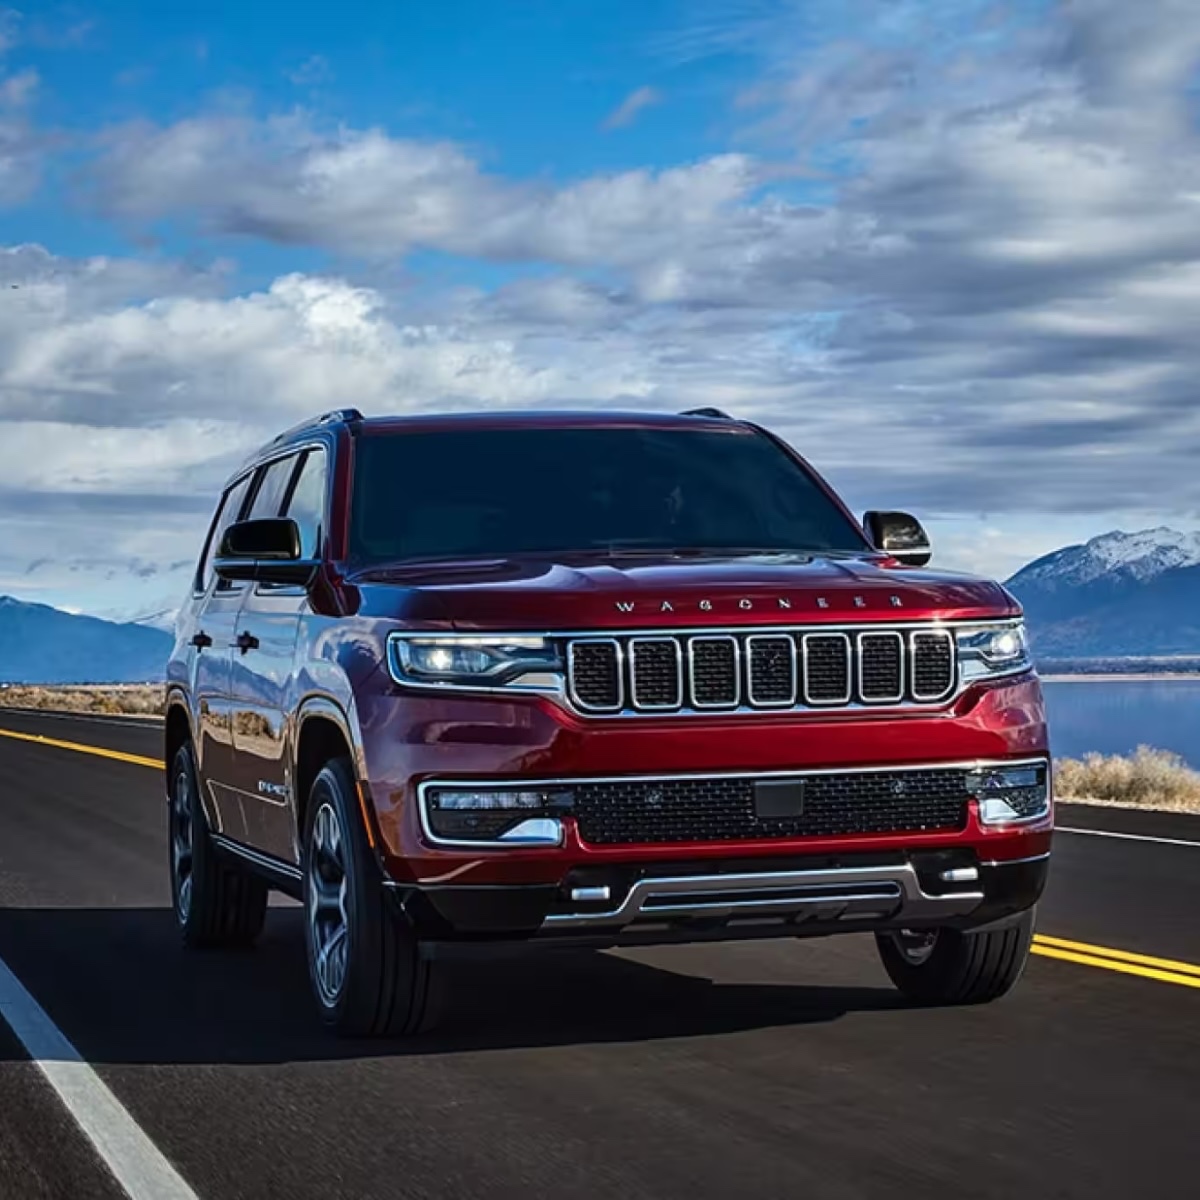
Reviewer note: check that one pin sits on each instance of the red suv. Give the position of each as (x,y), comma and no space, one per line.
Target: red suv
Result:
(591,678)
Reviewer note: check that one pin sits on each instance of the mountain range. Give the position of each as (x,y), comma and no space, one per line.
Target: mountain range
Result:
(1118,595)
(40,644)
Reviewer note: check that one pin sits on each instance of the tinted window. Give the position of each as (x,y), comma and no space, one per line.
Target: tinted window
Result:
(307,505)
(473,493)
(227,512)
(272,488)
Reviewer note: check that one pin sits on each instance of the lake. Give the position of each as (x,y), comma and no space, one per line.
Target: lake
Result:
(1116,716)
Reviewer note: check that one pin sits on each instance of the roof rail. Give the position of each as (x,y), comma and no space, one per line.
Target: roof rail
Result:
(336,415)
(716,413)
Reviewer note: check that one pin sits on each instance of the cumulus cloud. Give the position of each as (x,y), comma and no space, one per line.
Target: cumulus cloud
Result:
(366,192)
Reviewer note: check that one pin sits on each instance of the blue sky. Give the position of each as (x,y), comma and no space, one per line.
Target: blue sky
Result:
(949,248)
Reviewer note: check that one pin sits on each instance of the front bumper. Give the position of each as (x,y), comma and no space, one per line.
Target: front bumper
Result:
(412,739)
(735,899)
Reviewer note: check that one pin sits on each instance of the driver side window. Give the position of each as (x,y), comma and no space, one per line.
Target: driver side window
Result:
(229,511)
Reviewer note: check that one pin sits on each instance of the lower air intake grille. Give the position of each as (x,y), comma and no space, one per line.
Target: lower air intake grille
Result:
(704,810)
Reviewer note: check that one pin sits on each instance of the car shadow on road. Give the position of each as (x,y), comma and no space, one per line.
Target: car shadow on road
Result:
(123,990)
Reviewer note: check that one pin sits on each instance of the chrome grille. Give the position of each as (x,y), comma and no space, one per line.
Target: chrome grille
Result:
(881,667)
(933,666)
(701,809)
(715,681)
(780,669)
(596,674)
(771,670)
(656,673)
(827,668)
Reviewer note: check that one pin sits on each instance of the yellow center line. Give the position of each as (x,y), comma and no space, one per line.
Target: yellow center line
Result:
(99,751)
(1116,964)
(1125,956)
(1164,970)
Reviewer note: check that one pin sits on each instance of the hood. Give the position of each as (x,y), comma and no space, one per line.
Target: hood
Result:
(664,590)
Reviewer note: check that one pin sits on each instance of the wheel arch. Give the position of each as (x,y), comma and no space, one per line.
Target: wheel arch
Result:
(177,731)
(324,732)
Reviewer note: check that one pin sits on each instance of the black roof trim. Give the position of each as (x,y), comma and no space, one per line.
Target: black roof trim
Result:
(336,416)
(715,414)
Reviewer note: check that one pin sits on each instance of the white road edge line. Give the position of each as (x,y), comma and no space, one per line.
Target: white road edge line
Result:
(134,1160)
(1127,837)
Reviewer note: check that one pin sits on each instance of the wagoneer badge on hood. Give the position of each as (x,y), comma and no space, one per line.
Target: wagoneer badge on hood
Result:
(745,604)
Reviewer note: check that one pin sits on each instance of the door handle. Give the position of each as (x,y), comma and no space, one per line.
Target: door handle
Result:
(246,641)
(201,640)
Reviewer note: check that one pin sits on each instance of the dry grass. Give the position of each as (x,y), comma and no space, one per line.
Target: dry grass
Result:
(1147,779)
(132,699)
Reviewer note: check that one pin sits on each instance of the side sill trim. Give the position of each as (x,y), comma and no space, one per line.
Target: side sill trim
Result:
(263,862)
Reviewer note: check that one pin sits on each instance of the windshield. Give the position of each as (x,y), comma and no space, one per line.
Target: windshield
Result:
(482,493)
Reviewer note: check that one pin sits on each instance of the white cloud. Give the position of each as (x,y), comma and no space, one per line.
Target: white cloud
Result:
(627,111)
(366,192)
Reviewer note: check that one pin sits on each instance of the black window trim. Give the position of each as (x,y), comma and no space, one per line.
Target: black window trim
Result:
(299,451)
(302,454)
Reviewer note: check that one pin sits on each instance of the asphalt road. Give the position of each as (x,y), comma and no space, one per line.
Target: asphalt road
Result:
(750,1070)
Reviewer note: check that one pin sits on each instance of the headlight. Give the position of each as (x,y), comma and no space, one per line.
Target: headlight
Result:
(451,660)
(986,651)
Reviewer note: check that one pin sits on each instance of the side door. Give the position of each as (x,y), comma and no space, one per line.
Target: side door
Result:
(264,660)
(216,609)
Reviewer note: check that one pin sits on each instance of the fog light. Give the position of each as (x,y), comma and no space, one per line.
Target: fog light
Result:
(513,816)
(1010,794)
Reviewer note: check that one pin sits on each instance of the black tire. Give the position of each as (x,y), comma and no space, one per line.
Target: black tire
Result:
(367,973)
(958,967)
(216,902)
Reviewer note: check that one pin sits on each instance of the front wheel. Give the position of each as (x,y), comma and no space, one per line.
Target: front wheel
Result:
(368,976)
(951,966)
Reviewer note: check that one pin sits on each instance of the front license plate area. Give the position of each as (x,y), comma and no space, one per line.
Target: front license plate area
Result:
(775,799)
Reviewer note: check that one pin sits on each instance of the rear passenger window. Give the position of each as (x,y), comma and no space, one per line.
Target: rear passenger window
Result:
(272,488)
(307,504)
(228,512)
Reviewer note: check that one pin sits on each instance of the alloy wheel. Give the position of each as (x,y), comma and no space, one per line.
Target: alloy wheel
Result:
(182,841)
(916,945)
(328,919)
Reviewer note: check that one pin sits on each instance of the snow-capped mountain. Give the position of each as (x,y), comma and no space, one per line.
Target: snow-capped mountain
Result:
(1118,594)
(1140,556)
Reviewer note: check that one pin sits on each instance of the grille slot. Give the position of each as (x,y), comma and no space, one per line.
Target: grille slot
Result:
(693,810)
(933,665)
(655,673)
(881,667)
(771,670)
(596,670)
(827,668)
(714,672)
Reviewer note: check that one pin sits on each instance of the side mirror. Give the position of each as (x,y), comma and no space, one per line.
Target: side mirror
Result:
(899,535)
(264,551)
